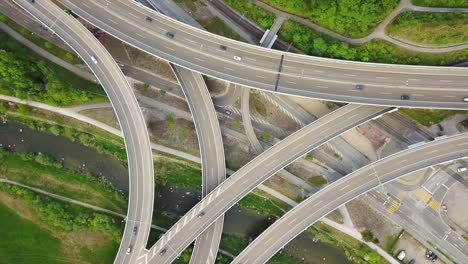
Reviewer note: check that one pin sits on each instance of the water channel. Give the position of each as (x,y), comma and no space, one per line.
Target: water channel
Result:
(240,221)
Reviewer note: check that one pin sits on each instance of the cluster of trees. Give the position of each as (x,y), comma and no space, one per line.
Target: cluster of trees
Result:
(251,11)
(314,43)
(353,18)
(63,216)
(432,28)
(28,77)
(441,3)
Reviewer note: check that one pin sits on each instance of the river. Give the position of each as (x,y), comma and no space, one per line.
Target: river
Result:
(239,221)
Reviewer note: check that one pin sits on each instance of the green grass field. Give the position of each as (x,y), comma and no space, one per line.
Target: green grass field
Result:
(429,117)
(22,241)
(217,26)
(430,28)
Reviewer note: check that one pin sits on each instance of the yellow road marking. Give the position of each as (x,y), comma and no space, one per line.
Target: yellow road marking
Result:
(393,207)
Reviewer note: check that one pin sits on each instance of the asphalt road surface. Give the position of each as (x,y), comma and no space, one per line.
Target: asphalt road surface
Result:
(140,162)
(212,155)
(347,188)
(223,197)
(271,70)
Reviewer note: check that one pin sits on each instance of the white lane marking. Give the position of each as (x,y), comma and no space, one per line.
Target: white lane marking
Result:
(198,59)
(434,151)
(209,198)
(190,40)
(193,213)
(462,144)
(230,69)
(169,236)
(420,95)
(446,81)
(443,184)
(185,222)
(140,35)
(177,228)
(133,15)
(385,93)
(402,161)
(291,223)
(291,82)
(203,204)
(449,96)
(87,6)
(113,21)
(169,48)
(217,192)
(258,76)
(346,186)
(381,78)
(322,87)
(247,58)
(353,90)
(351,75)
(163,29)
(317,71)
(414,79)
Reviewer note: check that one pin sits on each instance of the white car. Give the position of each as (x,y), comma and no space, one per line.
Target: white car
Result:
(129,250)
(237,58)
(94,60)
(465,99)
(461,169)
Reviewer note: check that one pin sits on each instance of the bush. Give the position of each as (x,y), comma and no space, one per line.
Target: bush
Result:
(235,123)
(251,11)
(264,136)
(367,235)
(162,93)
(441,3)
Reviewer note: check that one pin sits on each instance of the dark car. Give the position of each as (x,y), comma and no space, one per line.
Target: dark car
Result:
(200,215)
(149,19)
(405,97)
(170,35)
(227,112)
(412,261)
(359,86)
(162,252)
(135,230)
(222,47)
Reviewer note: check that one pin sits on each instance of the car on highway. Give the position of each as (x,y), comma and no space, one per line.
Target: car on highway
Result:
(465,99)
(237,58)
(129,250)
(149,19)
(135,230)
(222,47)
(412,261)
(162,252)
(94,60)
(359,87)
(461,169)
(201,214)
(227,112)
(405,97)
(170,35)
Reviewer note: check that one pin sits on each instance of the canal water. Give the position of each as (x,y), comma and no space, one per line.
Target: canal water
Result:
(239,221)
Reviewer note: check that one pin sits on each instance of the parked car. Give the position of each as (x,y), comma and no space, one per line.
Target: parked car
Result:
(401,255)
(461,169)
(412,261)
(227,112)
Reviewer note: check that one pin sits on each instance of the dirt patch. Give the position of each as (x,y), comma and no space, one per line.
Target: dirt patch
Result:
(373,134)
(336,216)
(262,108)
(365,218)
(215,86)
(104,115)
(236,154)
(284,187)
(156,95)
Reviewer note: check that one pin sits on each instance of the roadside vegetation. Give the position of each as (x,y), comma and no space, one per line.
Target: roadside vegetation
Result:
(56,231)
(429,117)
(441,3)
(430,28)
(350,18)
(43,172)
(317,180)
(355,250)
(217,26)
(258,15)
(27,76)
(314,43)
(46,45)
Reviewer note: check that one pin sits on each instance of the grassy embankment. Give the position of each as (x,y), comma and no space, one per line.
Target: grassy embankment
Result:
(429,117)
(355,250)
(37,229)
(258,15)
(350,18)
(441,3)
(430,28)
(217,26)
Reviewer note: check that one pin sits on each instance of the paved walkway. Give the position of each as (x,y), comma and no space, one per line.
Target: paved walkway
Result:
(379,31)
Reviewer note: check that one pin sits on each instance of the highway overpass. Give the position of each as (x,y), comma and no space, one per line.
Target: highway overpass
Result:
(347,188)
(211,152)
(271,70)
(132,123)
(223,197)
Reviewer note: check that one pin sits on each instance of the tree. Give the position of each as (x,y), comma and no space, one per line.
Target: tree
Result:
(367,235)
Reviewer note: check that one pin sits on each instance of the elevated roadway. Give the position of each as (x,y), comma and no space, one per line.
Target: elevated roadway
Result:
(132,123)
(210,208)
(212,155)
(271,70)
(347,188)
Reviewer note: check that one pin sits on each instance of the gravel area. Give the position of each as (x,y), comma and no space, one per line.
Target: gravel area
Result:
(414,250)
(364,217)
(273,114)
